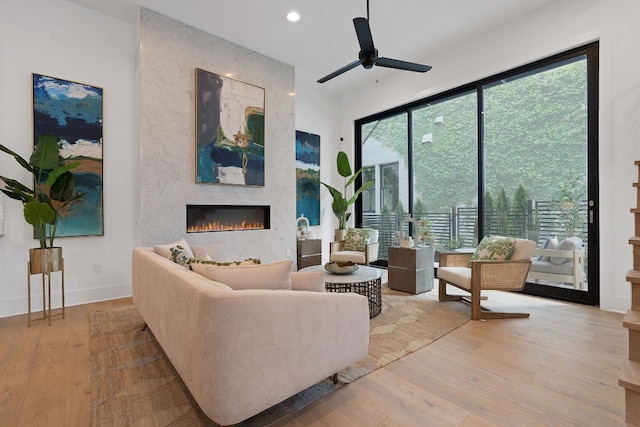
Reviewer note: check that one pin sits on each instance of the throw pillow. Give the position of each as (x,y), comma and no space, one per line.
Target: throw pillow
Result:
(199,265)
(569,244)
(357,239)
(495,248)
(550,243)
(165,250)
(180,256)
(255,276)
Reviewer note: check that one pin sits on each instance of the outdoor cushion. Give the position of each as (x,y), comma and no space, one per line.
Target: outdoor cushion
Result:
(568,244)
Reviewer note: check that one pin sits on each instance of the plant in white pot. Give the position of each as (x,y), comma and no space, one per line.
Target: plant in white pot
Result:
(52,190)
(340,204)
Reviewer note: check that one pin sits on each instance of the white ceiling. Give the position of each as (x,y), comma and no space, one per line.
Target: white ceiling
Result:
(324,39)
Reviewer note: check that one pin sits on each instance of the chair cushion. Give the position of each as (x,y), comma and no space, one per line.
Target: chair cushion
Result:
(495,248)
(357,239)
(461,276)
(354,256)
(569,244)
(523,250)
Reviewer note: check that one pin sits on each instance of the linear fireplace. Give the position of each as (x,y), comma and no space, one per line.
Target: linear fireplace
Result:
(211,218)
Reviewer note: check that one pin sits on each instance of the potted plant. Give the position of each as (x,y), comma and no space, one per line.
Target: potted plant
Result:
(53,190)
(340,203)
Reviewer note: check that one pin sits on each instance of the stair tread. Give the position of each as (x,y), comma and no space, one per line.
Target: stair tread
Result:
(636,162)
(636,184)
(633,276)
(630,375)
(635,210)
(632,320)
(635,240)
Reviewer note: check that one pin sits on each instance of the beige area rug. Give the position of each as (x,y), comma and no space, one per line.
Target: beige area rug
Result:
(134,384)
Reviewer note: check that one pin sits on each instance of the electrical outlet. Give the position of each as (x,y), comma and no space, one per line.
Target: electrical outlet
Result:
(288,253)
(97,269)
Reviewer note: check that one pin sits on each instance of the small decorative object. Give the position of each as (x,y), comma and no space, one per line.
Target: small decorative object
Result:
(407,239)
(424,232)
(303,227)
(406,242)
(341,267)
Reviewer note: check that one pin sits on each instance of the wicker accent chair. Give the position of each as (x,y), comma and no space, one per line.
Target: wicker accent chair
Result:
(509,275)
(368,255)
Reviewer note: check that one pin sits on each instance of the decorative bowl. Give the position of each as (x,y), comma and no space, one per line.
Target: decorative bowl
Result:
(337,267)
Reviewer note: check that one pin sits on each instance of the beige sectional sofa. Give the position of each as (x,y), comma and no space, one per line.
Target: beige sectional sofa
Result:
(240,352)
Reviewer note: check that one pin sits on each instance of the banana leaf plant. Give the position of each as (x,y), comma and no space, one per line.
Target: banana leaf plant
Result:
(340,204)
(52,189)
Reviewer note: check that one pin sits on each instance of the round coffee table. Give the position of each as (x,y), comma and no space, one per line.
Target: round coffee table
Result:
(365,281)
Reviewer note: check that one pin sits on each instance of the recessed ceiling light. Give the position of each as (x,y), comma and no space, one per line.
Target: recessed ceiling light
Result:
(293,16)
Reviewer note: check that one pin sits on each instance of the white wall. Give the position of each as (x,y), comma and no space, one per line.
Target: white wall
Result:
(60,39)
(558,27)
(316,113)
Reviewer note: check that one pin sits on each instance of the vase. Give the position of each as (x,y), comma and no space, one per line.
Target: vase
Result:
(303,227)
(45,260)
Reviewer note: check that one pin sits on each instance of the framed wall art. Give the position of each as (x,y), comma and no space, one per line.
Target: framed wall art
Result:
(229,131)
(72,112)
(308,176)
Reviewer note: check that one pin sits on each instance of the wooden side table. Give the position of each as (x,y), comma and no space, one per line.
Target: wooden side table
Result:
(309,252)
(411,269)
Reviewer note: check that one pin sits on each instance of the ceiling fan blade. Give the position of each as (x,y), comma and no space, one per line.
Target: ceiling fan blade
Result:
(344,69)
(364,34)
(402,65)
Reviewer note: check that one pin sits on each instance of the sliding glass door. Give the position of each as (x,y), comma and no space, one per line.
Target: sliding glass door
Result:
(536,127)
(513,155)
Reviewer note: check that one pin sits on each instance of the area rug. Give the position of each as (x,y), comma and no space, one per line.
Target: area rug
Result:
(134,384)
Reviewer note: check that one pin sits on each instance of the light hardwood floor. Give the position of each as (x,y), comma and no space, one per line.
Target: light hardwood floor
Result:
(560,367)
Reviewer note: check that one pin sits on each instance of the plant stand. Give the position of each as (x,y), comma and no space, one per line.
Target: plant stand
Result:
(46,305)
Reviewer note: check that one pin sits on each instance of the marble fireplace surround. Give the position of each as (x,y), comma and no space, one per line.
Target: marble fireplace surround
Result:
(170,52)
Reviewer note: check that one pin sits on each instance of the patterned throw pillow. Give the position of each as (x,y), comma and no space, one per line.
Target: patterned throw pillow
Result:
(180,256)
(199,265)
(494,248)
(357,239)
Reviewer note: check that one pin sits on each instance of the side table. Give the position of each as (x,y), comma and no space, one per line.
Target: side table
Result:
(309,252)
(411,269)
(365,281)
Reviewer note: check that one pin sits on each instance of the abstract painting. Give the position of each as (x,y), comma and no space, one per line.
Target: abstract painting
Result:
(229,131)
(72,112)
(308,176)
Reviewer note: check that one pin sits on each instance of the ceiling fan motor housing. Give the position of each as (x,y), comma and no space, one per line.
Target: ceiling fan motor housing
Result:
(368,59)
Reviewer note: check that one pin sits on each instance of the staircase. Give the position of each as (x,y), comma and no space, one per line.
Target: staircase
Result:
(630,375)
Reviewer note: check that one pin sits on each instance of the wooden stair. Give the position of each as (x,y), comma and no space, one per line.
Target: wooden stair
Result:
(630,375)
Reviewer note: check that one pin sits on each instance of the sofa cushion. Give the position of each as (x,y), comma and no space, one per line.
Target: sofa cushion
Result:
(568,244)
(308,281)
(357,239)
(357,257)
(165,250)
(494,248)
(254,276)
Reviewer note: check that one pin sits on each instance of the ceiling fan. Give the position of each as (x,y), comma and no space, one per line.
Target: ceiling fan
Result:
(368,55)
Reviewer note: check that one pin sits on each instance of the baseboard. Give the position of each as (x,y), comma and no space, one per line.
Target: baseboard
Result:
(17,306)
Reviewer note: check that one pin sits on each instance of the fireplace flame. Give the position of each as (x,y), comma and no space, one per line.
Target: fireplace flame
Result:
(226,226)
